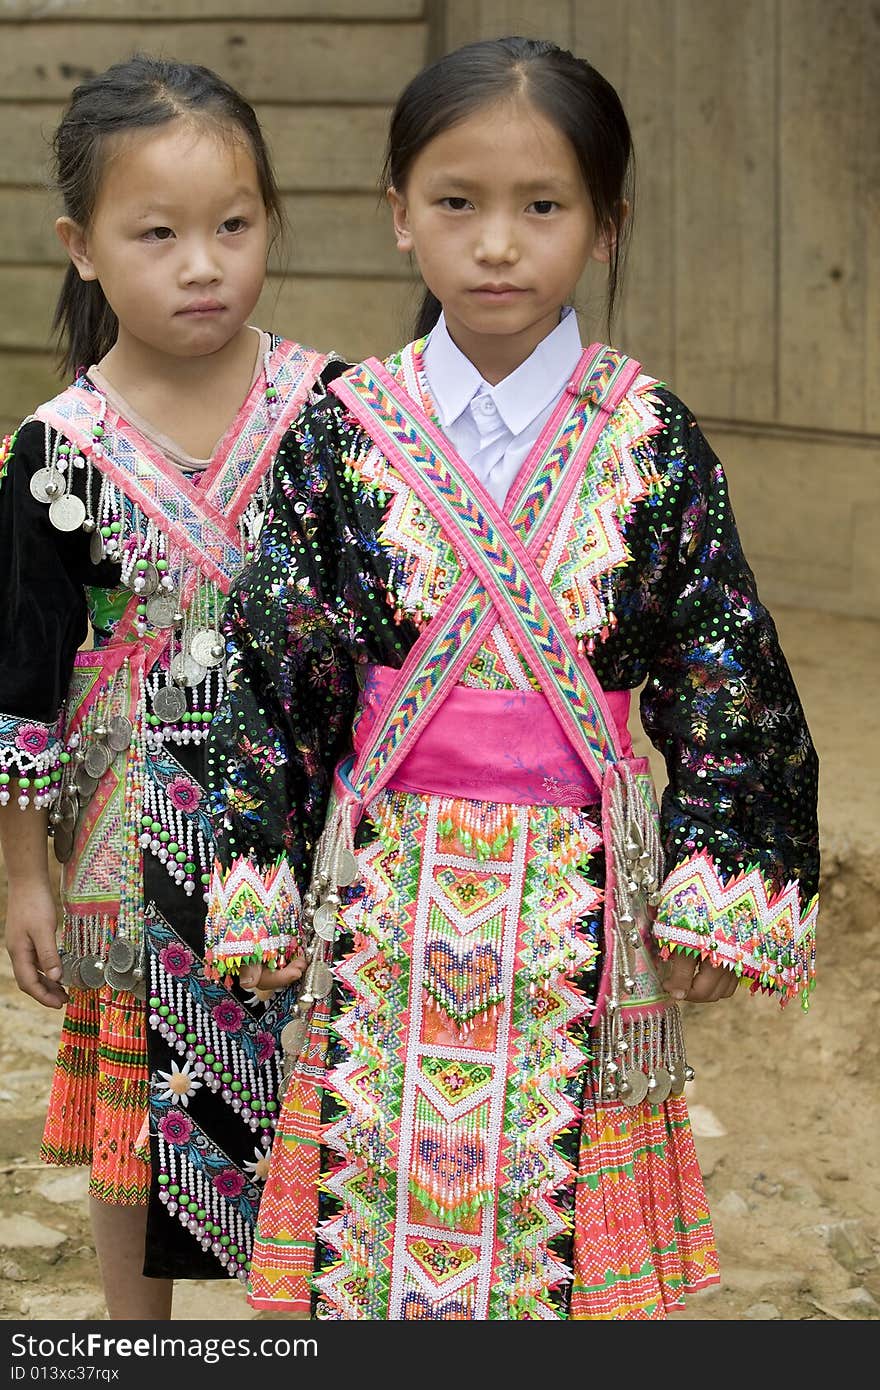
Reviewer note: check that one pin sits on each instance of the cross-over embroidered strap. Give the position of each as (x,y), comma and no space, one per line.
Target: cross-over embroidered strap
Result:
(500,578)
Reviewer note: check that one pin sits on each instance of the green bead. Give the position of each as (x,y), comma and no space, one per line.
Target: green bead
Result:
(224,1240)
(209,1057)
(200,1049)
(174,1189)
(4,779)
(154,1001)
(235,1085)
(164,836)
(190,1038)
(180,1027)
(115,527)
(163,1180)
(226,1076)
(217,1066)
(164,1010)
(245,1095)
(161,566)
(180,856)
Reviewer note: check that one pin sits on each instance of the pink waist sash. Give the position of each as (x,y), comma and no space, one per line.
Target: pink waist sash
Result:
(491,745)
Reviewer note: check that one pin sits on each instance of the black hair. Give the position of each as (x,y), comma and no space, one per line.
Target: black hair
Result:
(131,96)
(579,101)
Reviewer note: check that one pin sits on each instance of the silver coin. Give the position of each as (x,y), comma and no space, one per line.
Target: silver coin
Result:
(97,759)
(46,484)
(96,548)
(70,976)
(185,670)
(68,809)
(117,979)
(677,1078)
(91,972)
(62,843)
(206,648)
(633,1087)
(86,784)
(322,980)
(121,955)
(662,1086)
(138,985)
(119,732)
(324,922)
(294,1034)
(67,513)
(161,609)
(169,703)
(347,872)
(149,581)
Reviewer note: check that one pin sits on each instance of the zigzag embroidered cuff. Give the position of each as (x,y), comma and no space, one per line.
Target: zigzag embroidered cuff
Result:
(253,916)
(31,755)
(765,936)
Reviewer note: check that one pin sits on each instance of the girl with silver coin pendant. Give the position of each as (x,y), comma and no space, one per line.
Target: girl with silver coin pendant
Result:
(128,504)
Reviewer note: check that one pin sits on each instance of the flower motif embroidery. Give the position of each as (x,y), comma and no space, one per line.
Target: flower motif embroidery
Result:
(258,1166)
(229,1182)
(184,794)
(32,738)
(177,959)
(176,1128)
(180,1084)
(228,1016)
(265,1044)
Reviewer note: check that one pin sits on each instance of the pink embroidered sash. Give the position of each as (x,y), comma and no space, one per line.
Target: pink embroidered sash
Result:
(491,745)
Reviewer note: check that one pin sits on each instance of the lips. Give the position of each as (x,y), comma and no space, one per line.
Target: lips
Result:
(498,289)
(202,306)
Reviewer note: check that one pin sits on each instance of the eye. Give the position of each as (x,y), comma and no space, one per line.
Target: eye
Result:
(455,204)
(158,234)
(233,224)
(543,206)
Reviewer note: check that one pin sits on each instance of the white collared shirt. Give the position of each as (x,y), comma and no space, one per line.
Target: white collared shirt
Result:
(494,427)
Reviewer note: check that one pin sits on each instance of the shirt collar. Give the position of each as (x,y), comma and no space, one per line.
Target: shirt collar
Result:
(454,380)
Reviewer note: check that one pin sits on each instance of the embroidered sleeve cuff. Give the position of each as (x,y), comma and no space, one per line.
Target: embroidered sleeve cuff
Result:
(253,916)
(31,761)
(769,938)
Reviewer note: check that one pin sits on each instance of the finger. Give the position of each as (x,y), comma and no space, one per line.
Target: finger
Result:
(708,984)
(249,974)
(48,959)
(30,981)
(678,974)
(287,975)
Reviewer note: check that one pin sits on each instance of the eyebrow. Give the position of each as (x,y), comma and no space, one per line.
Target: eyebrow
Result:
(236,195)
(547,182)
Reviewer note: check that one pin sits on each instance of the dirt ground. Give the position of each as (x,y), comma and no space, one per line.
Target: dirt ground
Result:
(784,1105)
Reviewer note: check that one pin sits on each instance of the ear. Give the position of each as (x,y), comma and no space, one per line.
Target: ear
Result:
(400,220)
(73,239)
(607,239)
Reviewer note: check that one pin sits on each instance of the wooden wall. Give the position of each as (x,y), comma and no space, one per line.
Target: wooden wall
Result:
(753,285)
(321,74)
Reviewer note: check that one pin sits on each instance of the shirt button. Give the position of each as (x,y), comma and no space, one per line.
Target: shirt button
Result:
(487,405)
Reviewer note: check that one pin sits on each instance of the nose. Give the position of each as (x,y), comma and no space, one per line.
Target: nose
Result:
(496,243)
(200,264)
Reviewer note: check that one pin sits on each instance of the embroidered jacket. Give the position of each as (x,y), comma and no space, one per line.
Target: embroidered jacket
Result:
(646,567)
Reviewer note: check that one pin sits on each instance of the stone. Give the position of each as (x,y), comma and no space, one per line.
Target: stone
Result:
(71,1185)
(859,1303)
(850,1245)
(11,1271)
(22,1232)
(763,1312)
(73,1307)
(731,1205)
(704,1123)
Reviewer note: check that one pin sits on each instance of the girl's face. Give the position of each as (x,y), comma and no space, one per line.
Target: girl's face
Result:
(501,223)
(178,239)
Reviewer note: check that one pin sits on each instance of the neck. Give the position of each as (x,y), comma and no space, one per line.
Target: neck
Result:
(496,355)
(136,369)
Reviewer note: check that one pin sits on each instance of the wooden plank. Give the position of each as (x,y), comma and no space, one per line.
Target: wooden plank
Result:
(343,62)
(329,234)
(487,19)
(319,147)
(798,527)
(871,194)
(724,239)
(824,224)
(360,314)
(633,45)
(37,10)
(355,318)
(26,379)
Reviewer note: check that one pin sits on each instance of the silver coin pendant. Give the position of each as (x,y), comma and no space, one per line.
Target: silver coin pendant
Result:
(67,513)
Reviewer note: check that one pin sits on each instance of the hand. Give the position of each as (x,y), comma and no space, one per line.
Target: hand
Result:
(259,976)
(697,982)
(30,941)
